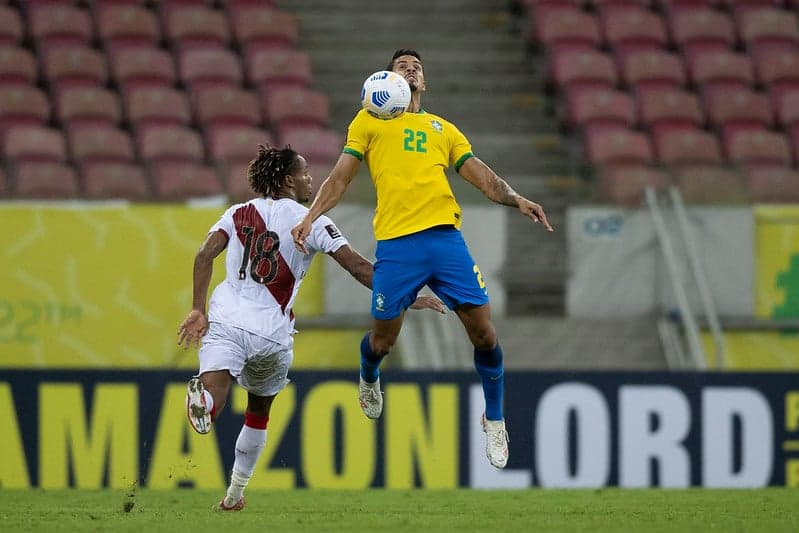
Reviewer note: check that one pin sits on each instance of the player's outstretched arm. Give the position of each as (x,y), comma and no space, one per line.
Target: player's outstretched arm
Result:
(195,325)
(497,190)
(330,193)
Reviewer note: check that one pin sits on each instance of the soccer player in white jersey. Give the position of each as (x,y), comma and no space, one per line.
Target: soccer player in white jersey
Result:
(247,334)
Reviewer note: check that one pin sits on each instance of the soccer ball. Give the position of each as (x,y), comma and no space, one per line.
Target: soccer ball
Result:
(385,95)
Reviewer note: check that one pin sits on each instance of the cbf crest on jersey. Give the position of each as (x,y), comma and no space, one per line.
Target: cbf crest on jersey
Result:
(437,125)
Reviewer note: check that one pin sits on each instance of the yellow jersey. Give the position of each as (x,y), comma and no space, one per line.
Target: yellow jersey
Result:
(407,157)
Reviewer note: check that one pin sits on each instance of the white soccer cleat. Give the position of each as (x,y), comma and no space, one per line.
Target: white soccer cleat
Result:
(196,410)
(371,398)
(496,441)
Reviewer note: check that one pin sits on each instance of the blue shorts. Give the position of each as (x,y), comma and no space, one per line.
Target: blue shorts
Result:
(436,257)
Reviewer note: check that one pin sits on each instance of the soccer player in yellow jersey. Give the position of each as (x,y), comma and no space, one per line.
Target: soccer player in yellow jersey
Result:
(417,227)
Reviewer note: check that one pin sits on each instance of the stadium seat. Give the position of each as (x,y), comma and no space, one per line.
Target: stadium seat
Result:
(777,67)
(749,146)
(127,25)
(627,28)
(680,146)
(793,132)
(728,106)
(142,66)
(652,69)
(668,107)
(564,26)
(10,26)
(5,185)
(763,27)
(180,181)
(720,68)
(88,105)
(59,24)
(194,26)
(788,110)
(231,143)
(695,27)
(17,66)
(47,180)
(262,26)
(23,105)
(93,144)
(582,68)
(114,181)
(300,107)
(74,65)
(625,184)
(270,69)
(169,143)
(156,105)
(770,183)
(610,146)
(237,187)
(710,184)
(317,145)
(600,106)
(226,105)
(33,143)
(209,66)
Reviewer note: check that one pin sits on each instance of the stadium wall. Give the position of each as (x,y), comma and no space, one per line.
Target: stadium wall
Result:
(95,429)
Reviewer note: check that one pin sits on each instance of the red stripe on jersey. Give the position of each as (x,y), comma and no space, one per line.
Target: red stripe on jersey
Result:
(266,264)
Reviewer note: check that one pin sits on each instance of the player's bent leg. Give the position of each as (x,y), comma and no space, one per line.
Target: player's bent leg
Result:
(205,398)
(375,345)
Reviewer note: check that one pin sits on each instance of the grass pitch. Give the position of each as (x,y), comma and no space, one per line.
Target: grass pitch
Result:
(596,511)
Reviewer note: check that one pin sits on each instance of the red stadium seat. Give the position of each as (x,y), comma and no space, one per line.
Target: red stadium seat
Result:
(142,67)
(584,68)
(747,146)
(788,110)
(34,143)
(278,68)
(195,25)
(263,26)
(558,25)
(114,181)
(127,25)
(611,146)
(653,69)
(302,107)
(169,143)
(226,105)
(770,183)
(698,26)
(600,106)
(720,68)
(93,144)
(88,105)
(209,66)
(317,145)
(45,180)
(627,28)
(709,184)
(17,66)
(737,106)
(793,132)
(762,27)
(74,65)
(237,186)
(777,67)
(10,26)
(232,143)
(57,24)
(157,105)
(180,181)
(23,105)
(625,184)
(680,146)
(668,106)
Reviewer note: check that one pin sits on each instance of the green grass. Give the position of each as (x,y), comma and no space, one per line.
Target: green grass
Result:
(420,510)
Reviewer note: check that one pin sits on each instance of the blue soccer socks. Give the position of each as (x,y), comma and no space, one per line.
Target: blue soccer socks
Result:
(489,366)
(370,361)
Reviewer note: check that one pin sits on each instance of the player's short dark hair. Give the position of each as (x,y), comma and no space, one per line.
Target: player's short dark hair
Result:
(270,167)
(402,52)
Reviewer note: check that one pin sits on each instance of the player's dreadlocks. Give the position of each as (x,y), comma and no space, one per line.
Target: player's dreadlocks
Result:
(269,168)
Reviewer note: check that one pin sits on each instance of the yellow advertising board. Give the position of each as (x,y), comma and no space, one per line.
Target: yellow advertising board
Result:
(103,285)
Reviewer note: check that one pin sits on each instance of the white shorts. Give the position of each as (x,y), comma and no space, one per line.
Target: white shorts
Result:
(259,365)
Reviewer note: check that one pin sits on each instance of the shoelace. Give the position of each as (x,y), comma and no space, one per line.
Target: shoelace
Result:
(498,437)
(371,394)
